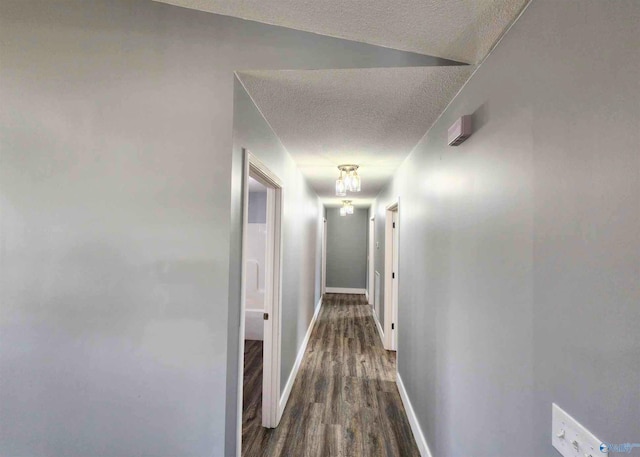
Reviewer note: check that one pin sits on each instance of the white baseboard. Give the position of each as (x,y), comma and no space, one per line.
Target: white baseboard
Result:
(296,366)
(378,326)
(345,290)
(423,447)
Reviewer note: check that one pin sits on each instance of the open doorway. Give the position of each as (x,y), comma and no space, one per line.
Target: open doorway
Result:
(323,282)
(391,262)
(371,262)
(260,305)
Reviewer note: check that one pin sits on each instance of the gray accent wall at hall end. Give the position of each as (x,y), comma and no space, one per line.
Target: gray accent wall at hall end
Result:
(119,248)
(347,249)
(519,278)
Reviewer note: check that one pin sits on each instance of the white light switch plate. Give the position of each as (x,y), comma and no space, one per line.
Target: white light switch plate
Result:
(570,438)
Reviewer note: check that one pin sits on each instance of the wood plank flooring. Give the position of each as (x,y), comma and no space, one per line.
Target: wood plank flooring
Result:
(252,396)
(344,401)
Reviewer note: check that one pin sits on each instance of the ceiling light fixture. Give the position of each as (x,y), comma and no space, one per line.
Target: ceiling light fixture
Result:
(347,208)
(348,181)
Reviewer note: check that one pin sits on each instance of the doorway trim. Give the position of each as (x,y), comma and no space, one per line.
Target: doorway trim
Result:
(391,283)
(371,259)
(253,167)
(323,284)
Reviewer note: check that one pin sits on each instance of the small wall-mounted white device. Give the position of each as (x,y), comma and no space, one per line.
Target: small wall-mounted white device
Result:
(460,130)
(571,439)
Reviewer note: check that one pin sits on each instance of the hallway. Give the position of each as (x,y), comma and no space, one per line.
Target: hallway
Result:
(345,401)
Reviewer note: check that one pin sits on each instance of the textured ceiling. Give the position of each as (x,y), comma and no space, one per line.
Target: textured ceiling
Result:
(369,116)
(461,30)
(372,117)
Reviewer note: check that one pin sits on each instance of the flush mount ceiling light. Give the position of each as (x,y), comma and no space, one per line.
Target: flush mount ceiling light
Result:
(347,208)
(348,181)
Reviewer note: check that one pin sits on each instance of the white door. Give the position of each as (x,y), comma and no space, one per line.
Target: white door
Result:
(271,347)
(394,281)
(391,275)
(371,259)
(323,283)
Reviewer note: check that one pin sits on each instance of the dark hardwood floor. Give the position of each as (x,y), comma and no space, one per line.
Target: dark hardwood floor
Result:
(344,401)
(252,396)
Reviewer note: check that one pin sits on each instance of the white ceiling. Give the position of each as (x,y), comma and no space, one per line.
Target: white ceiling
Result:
(371,117)
(461,30)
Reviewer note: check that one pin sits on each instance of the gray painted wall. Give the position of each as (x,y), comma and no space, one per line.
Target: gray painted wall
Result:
(520,249)
(119,236)
(257,207)
(347,249)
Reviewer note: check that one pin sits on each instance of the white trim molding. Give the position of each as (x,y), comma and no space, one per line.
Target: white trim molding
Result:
(324,256)
(296,366)
(345,290)
(371,262)
(423,446)
(391,283)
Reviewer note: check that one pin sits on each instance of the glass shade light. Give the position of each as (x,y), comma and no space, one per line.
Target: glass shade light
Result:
(355,182)
(341,188)
(347,208)
(348,181)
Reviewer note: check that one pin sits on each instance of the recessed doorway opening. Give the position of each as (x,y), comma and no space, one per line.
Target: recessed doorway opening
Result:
(391,275)
(259,380)
(371,262)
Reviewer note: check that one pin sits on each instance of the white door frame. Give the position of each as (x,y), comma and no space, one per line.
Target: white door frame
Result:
(391,283)
(323,284)
(273,292)
(371,258)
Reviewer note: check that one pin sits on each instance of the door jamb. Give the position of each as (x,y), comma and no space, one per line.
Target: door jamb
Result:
(252,166)
(324,257)
(390,294)
(371,259)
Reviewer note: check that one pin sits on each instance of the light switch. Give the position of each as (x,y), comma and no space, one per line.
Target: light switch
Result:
(570,438)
